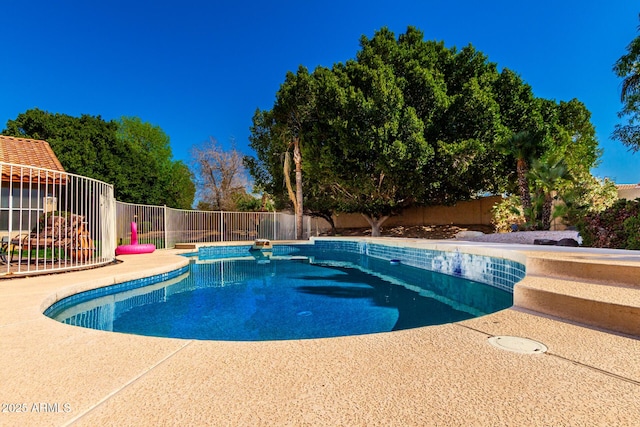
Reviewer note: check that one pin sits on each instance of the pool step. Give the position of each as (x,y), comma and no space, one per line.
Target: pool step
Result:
(185,246)
(607,306)
(607,270)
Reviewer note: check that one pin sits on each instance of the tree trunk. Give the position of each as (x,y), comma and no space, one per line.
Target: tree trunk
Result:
(375,224)
(546,212)
(297,158)
(333,226)
(329,219)
(523,185)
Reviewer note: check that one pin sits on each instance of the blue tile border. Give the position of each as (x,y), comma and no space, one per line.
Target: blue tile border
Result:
(81,297)
(497,272)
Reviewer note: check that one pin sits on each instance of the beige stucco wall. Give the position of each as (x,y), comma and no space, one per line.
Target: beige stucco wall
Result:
(470,212)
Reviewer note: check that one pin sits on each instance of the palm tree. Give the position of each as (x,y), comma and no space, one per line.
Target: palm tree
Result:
(293,109)
(548,178)
(522,145)
(295,196)
(628,67)
(631,83)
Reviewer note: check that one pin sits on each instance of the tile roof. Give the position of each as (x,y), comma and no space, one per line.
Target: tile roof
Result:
(28,152)
(627,186)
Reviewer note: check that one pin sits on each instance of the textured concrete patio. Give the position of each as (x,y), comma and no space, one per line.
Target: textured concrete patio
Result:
(55,374)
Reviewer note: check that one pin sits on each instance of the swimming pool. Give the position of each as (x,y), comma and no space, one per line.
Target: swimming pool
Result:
(296,292)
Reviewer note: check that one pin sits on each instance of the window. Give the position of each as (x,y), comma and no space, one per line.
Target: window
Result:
(22,204)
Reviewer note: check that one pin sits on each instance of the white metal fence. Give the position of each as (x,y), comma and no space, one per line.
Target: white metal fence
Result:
(51,220)
(165,226)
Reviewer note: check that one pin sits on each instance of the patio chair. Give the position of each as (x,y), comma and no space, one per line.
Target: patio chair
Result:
(6,250)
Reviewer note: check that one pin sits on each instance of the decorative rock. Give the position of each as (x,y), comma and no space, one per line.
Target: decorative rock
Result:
(568,242)
(546,242)
(467,234)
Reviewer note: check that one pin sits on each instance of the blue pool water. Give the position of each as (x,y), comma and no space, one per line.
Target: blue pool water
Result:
(307,294)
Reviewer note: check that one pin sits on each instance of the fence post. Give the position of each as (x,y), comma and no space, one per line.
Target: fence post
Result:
(166,234)
(222,226)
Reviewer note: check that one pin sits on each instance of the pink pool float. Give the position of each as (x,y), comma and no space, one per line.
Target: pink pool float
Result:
(135,247)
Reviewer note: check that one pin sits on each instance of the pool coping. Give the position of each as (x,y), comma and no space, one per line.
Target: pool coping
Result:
(445,374)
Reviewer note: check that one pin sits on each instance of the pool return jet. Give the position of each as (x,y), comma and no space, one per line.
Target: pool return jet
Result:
(262,250)
(262,245)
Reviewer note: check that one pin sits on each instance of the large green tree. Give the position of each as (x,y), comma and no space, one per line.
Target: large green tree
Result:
(148,173)
(85,145)
(279,136)
(369,147)
(410,121)
(453,95)
(268,172)
(293,111)
(628,68)
(132,155)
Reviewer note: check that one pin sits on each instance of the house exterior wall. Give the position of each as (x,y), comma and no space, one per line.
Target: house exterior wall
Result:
(624,192)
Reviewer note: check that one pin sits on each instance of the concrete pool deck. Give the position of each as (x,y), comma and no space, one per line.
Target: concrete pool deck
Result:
(56,374)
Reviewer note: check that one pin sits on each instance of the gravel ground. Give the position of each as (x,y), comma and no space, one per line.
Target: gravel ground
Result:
(478,233)
(522,237)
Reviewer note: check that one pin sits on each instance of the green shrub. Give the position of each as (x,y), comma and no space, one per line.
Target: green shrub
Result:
(617,227)
(589,195)
(507,213)
(632,229)
(245,202)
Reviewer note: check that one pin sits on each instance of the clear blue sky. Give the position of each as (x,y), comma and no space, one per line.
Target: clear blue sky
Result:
(201,68)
